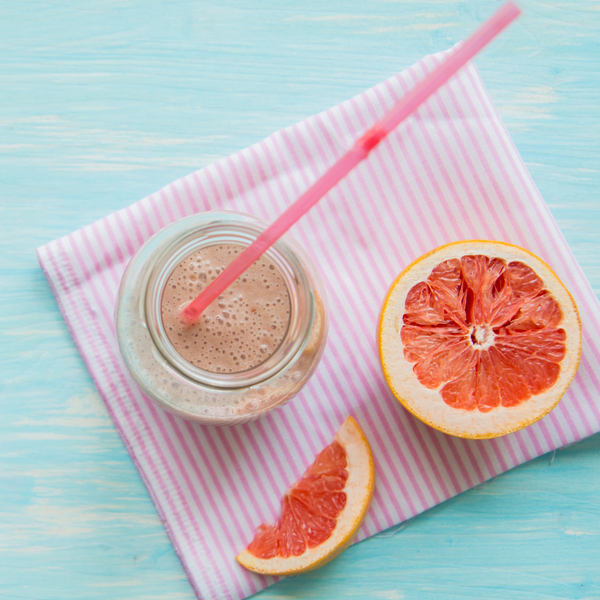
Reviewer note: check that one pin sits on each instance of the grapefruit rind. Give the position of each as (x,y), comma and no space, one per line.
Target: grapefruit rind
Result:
(427,404)
(359,492)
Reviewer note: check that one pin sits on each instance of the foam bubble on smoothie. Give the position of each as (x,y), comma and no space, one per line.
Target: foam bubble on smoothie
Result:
(241,329)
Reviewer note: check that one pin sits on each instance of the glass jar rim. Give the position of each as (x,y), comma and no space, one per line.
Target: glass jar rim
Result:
(228,227)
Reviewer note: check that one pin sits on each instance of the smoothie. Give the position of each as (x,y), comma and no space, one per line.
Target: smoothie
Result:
(253,349)
(239,331)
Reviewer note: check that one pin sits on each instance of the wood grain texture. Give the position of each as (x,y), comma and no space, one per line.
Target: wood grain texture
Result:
(106,101)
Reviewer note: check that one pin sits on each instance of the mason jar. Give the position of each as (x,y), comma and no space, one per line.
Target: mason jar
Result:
(199,394)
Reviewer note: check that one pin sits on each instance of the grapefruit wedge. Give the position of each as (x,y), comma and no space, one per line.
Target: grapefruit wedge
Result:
(321,512)
(479,338)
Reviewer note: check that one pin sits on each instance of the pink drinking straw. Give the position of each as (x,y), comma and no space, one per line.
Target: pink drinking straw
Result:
(405,107)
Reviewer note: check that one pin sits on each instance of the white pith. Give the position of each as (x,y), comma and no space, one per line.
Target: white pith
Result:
(359,490)
(427,404)
(482,336)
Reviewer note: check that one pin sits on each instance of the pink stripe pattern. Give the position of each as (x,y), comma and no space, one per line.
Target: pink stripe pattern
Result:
(449,172)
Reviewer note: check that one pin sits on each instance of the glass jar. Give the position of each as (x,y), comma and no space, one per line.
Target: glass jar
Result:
(185,389)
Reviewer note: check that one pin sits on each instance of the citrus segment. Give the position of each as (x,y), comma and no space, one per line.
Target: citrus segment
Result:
(309,510)
(479,327)
(321,512)
(474,323)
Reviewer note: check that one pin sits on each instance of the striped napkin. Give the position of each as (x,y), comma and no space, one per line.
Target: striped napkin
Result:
(450,172)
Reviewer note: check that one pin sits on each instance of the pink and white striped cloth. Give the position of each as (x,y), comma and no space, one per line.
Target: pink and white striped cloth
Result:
(450,172)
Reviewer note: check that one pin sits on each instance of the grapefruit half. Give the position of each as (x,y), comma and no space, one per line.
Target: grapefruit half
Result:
(321,512)
(479,338)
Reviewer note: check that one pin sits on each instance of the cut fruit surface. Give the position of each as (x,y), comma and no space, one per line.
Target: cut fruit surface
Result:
(479,338)
(321,512)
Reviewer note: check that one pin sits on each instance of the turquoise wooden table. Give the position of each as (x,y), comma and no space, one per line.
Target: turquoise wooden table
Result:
(98,109)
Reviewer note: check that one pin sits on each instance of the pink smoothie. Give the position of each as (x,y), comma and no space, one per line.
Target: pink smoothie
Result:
(242,328)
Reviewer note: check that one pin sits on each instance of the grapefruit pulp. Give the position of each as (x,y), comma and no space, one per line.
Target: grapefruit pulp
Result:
(321,512)
(479,338)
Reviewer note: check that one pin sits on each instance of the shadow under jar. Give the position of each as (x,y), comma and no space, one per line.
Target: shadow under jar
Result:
(251,351)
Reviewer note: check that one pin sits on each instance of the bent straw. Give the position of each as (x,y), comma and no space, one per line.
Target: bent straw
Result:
(405,107)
